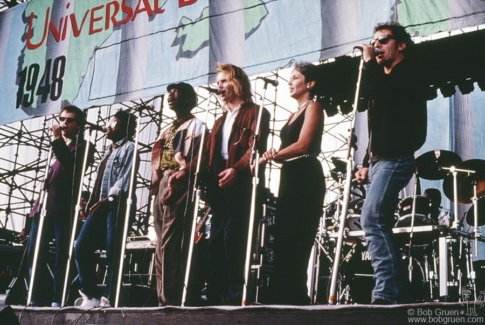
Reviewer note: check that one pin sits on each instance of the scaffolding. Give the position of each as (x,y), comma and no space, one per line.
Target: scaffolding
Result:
(24,146)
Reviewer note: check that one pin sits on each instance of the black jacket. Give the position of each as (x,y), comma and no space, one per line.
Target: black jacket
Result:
(397,117)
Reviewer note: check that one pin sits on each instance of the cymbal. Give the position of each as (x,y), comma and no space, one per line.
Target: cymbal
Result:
(429,164)
(470,215)
(465,182)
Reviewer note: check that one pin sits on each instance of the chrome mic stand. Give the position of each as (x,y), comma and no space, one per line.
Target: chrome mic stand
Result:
(254,160)
(346,195)
(413,217)
(129,203)
(75,218)
(43,212)
(196,200)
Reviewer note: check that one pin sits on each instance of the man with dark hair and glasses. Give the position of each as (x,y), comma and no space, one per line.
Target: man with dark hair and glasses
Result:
(395,93)
(104,224)
(62,188)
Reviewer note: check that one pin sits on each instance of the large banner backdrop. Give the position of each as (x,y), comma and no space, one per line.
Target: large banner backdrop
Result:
(91,53)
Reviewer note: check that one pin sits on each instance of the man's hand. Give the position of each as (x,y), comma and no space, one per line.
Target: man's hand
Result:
(227,177)
(175,177)
(361,175)
(100,207)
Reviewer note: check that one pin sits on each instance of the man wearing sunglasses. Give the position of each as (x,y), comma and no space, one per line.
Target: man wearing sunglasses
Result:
(61,187)
(397,123)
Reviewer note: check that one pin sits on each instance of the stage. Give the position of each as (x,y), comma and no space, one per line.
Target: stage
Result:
(425,313)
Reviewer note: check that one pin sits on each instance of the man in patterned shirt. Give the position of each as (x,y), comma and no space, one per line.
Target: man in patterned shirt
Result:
(174,149)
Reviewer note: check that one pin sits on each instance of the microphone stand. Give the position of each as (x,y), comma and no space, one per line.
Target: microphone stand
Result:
(196,200)
(413,216)
(129,202)
(75,218)
(253,160)
(43,202)
(346,194)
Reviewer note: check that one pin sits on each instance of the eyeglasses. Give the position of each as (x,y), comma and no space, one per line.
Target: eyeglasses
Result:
(67,119)
(111,124)
(383,39)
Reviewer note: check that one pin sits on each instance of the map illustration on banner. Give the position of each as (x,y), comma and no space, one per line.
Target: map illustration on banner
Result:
(92,53)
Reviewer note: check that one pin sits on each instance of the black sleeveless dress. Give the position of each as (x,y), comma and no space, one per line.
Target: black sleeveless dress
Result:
(300,203)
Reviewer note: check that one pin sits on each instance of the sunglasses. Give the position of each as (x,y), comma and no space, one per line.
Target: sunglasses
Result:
(111,125)
(383,39)
(67,119)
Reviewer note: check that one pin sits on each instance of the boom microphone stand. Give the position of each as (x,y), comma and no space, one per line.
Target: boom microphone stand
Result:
(347,188)
(254,160)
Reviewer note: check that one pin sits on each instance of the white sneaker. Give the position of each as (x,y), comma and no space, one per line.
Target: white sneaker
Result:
(88,302)
(56,304)
(104,302)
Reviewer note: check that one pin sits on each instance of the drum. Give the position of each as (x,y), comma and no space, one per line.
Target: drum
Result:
(421,215)
(357,273)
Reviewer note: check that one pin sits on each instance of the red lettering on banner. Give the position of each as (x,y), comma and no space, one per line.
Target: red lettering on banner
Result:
(76,31)
(54,31)
(111,16)
(128,11)
(95,19)
(101,16)
(30,45)
(183,3)
(146,7)
(156,9)
(64,29)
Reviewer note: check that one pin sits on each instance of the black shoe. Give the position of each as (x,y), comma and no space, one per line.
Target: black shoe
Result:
(382,302)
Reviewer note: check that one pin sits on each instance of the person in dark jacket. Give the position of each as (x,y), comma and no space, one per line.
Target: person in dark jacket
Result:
(397,123)
(227,153)
(62,188)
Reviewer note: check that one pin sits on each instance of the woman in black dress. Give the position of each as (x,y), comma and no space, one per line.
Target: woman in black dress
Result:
(301,190)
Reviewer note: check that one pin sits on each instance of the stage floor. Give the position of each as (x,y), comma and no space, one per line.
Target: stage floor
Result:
(425,313)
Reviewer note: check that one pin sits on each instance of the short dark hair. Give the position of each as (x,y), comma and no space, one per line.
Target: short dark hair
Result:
(310,72)
(80,116)
(398,32)
(187,91)
(129,122)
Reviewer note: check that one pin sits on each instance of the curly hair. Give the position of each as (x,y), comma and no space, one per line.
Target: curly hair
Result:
(128,121)
(398,32)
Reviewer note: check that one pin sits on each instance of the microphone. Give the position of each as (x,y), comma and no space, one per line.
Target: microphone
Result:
(96,127)
(376,51)
(216,91)
(274,83)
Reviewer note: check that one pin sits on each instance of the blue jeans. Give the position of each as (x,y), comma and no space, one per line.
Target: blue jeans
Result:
(48,288)
(98,232)
(386,179)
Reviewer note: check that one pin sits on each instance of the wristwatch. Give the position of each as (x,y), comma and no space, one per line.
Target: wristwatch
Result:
(111,198)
